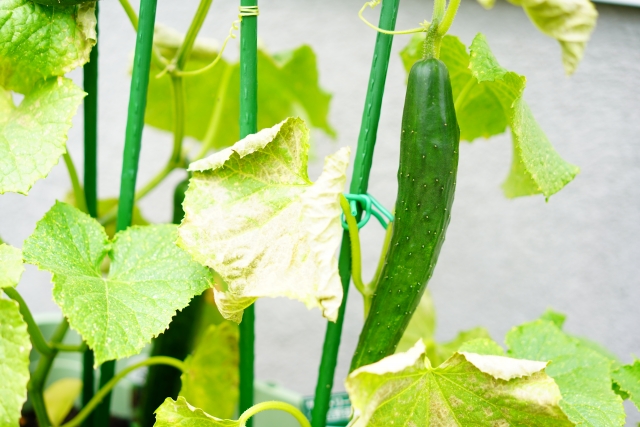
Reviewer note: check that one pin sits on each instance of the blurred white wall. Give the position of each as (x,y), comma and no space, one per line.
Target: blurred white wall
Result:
(505,261)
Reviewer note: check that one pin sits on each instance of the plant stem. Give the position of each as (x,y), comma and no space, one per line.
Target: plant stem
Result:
(187,45)
(90,83)
(438,10)
(452,9)
(359,184)
(78,192)
(214,123)
(354,237)
(248,125)
(265,406)
(37,339)
(72,348)
(106,389)
(39,377)
(131,155)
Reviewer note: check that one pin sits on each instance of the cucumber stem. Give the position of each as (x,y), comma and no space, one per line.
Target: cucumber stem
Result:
(450,14)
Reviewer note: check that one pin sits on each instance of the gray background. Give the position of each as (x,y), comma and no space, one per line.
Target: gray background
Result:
(505,261)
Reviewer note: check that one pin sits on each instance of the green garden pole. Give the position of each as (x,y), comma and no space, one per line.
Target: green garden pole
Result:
(248,125)
(359,185)
(132,143)
(90,72)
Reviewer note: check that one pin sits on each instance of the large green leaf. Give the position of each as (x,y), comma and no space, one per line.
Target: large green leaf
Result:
(149,279)
(488,98)
(255,218)
(583,375)
(11,267)
(34,134)
(38,42)
(179,412)
(288,85)
(469,389)
(14,362)
(568,21)
(627,378)
(210,381)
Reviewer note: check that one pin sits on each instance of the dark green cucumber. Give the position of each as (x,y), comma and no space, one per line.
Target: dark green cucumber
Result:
(426,184)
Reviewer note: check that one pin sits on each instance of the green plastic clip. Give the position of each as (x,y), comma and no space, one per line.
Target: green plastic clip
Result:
(367,204)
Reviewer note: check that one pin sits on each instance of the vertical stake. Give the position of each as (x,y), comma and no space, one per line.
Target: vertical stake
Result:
(90,83)
(248,125)
(131,155)
(359,184)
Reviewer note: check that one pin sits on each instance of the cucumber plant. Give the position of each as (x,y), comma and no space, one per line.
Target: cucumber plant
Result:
(249,223)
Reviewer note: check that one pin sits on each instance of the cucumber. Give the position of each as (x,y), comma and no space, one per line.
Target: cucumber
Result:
(426,184)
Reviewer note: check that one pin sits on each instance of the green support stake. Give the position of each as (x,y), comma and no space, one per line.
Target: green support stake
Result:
(132,143)
(90,83)
(248,125)
(359,185)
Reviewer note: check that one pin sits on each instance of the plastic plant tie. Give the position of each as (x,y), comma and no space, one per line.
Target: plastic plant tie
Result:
(248,11)
(367,203)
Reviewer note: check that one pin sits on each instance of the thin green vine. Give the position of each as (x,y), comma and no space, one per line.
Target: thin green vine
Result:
(273,405)
(106,389)
(366,289)
(78,191)
(37,339)
(214,123)
(372,4)
(450,14)
(39,377)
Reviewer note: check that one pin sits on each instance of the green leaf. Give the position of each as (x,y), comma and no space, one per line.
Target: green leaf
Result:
(33,135)
(438,353)
(582,374)
(485,346)
(627,378)
(59,398)
(38,42)
(149,279)
(179,412)
(554,317)
(488,98)
(288,86)
(255,218)
(210,381)
(11,267)
(468,389)
(569,22)
(14,362)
